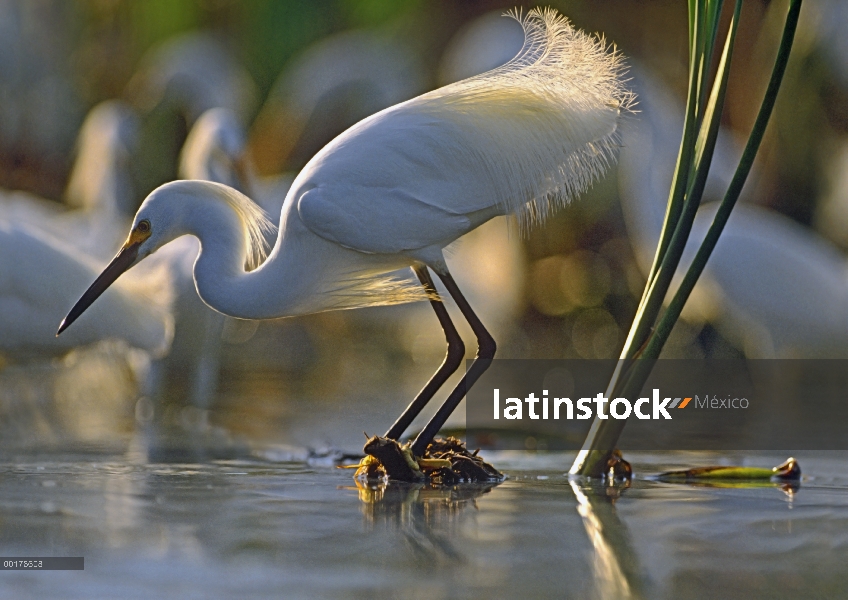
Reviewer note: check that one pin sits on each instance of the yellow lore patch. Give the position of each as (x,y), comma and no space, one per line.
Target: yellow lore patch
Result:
(137,237)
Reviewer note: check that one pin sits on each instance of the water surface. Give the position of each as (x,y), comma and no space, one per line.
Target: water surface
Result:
(254,528)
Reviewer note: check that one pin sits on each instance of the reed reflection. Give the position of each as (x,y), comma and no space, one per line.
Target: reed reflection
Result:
(615,562)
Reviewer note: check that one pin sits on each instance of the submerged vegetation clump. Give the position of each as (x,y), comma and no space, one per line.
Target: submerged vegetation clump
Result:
(789,470)
(445,461)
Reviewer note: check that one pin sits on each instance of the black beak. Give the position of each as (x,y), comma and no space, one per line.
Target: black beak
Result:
(123,261)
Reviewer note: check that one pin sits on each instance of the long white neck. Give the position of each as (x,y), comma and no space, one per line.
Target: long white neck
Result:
(100,180)
(219,271)
(219,217)
(303,274)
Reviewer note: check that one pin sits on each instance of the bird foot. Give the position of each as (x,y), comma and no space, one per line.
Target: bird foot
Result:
(445,461)
(618,469)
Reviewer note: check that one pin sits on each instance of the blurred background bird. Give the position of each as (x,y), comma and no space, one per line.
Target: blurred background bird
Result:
(212,152)
(773,287)
(137,312)
(45,247)
(327,88)
(84,388)
(98,197)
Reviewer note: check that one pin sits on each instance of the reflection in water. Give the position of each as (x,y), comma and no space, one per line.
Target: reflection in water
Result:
(249,528)
(615,562)
(427,515)
(87,397)
(122,507)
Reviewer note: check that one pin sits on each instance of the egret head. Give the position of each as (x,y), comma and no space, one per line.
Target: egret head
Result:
(138,245)
(200,208)
(159,220)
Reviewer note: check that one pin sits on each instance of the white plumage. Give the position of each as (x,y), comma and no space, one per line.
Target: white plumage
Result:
(522,138)
(771,286)
(98,191)
(525,138)
(39,274)
(45,248)
(395,189)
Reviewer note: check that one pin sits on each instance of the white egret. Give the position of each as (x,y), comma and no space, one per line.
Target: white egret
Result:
(771,286)
(197,72)
(46,247)
(395,189)
(98,191)
(37,275)
(324,90)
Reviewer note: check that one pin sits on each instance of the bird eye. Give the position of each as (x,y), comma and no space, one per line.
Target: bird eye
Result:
(143,226)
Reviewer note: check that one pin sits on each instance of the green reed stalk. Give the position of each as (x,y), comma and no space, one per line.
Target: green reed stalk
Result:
(703,114)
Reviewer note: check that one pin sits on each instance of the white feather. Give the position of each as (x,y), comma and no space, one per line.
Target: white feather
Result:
(525,138)
(255,222)
(544,125)
(398,187)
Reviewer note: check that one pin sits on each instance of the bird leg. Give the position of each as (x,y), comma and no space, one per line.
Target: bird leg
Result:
(453,358)
(485,353)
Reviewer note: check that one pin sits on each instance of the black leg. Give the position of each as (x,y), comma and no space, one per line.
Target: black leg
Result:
(485,353)
(453,358)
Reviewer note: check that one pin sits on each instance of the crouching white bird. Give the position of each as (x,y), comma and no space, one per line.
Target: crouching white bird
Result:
(772,287)
(37,275)
(45,248)
(395,189)
(99,192)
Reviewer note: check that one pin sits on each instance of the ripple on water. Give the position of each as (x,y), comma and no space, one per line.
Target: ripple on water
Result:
(257,527)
